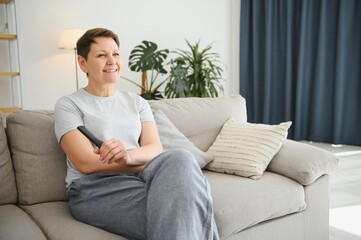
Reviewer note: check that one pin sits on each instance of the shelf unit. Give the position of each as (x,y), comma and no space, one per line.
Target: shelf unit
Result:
(5,1)
(10,82)
(7,36)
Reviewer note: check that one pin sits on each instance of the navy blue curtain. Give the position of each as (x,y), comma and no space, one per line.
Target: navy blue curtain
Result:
(300,60)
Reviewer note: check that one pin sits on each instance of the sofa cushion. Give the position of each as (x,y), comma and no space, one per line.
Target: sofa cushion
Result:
(8,193)
(15,224)
(240,202)
(245,149)
(39,162)
(302,162)
(172,138)
(58,223)
(201,119)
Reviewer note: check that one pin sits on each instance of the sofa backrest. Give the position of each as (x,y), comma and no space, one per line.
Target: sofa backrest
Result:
(8,193)
(38,160)
(201,119)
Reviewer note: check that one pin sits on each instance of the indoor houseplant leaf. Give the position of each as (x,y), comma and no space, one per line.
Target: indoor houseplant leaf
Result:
(146,58)
(178,84)
(195,73)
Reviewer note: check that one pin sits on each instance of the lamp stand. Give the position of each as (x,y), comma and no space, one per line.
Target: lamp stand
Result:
(76,70)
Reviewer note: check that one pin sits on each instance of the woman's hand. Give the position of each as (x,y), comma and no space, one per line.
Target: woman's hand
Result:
(112,151)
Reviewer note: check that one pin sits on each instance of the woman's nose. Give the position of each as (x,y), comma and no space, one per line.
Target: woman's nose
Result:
(111,60)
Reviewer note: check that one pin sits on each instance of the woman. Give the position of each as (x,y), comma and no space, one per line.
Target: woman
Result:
(128,186)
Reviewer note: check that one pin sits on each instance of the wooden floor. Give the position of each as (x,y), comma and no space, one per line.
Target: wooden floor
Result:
(345,193)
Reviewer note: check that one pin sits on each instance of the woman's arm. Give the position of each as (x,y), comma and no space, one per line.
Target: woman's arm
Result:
(150,146)
(112,156)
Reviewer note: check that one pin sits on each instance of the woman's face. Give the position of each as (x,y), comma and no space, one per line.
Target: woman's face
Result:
(104,63)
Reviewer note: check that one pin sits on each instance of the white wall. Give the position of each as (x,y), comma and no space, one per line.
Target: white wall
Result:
(49,73)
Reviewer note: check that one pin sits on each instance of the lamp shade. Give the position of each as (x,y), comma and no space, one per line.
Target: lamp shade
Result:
(69,37)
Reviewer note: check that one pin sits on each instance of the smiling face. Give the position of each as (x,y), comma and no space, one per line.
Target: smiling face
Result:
(103,64)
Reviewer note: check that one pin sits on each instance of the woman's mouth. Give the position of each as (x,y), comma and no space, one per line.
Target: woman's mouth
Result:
(110,70)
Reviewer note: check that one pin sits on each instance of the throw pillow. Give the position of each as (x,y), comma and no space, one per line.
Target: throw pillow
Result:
(245,149)
(172,138)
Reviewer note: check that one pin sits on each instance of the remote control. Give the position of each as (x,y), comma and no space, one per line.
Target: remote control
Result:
(90,136)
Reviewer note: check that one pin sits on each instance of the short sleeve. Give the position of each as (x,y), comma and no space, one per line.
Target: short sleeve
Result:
(67,117)
(144,110)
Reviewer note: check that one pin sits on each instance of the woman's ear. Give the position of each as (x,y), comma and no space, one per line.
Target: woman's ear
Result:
(82,64)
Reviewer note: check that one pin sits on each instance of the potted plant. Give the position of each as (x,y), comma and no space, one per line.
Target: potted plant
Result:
(145,58)
(195,73)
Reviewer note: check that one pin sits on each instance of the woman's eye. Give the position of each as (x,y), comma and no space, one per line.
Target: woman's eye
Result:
(116,54)
(101,55)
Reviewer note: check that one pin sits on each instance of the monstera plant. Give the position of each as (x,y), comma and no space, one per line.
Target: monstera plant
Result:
(147,59)
(195,73)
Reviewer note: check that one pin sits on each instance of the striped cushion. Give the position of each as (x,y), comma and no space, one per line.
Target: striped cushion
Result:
(245,149)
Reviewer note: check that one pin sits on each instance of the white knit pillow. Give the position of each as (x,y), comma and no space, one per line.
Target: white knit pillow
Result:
(245,149)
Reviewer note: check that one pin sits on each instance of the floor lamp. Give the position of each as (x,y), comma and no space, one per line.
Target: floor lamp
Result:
(68,40)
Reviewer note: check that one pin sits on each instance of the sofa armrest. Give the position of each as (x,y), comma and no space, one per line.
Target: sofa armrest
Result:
(302,162)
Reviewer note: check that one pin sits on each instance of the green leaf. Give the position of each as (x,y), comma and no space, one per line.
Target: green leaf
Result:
(152,95)
(178,85)
(200,74)
(145,57)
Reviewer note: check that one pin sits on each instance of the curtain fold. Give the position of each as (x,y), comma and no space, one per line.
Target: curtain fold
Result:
(300,60)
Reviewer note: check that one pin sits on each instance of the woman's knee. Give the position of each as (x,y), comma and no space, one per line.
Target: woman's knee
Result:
(172,165)
(181,159)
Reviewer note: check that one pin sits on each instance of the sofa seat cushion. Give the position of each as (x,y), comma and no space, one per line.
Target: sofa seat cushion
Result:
(15,224)
(240,202)
(58,223)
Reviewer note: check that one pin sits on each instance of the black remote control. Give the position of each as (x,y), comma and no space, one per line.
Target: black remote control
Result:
(90,136)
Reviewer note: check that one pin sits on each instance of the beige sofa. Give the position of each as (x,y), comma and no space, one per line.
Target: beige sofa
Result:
(290,201)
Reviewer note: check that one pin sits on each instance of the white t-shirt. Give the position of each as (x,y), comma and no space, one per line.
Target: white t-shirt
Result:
(118,116)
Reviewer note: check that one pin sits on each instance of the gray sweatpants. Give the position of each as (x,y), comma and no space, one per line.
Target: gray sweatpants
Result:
(169,199)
